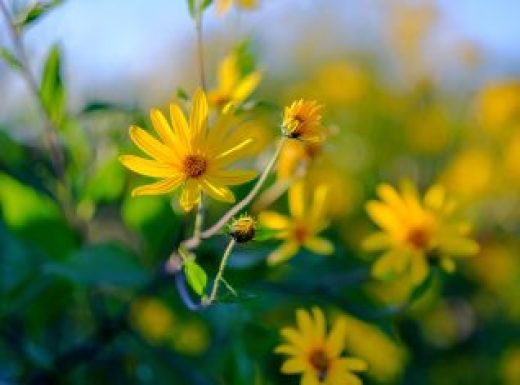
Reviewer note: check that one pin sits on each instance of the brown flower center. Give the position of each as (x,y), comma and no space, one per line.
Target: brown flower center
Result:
(319,361)
(300,232)
(418,237)
(195,166)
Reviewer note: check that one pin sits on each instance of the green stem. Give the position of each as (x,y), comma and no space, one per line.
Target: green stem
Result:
(218,278)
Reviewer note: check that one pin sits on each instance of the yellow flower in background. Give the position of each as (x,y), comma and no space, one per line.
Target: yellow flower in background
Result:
(152,319)
(295,154)
(316,354)
(302,228)
(416,232)
(510,366)
(189,155)
(302,120)
(223,6)
(232,89)
(385,357)
(498,105)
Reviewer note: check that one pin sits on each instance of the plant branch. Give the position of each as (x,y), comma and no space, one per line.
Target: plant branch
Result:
(220,273)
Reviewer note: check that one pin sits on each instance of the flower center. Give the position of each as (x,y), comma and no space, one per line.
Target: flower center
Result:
(300,232)
(418,237)
(195,166)
(294,128)
(319,361)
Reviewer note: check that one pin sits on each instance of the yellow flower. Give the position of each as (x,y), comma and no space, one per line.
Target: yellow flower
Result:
(188,155)
(415,232)
(154,320)
(232,90)
(295,154)
(302,120)
(498,105)
(316,354)
(223,6)
(302,227)
(243,229)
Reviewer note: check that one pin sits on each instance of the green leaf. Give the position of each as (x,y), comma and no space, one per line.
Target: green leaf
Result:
(36,11)
(182,94)
(10,59)
(196,277)
(246,60)
(100,265)
(52,89)
(35,218)
(107,183)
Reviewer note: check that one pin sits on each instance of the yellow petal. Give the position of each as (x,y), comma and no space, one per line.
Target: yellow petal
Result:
(319,205)
(309,378)
(161,187)
(231,154)
(287,349)
(180,125)
(273,220)
(163,129)
(296,200)
(190,195)
(217,191)
(233,177)
(389,265)
(336,338)
(418,268)
(151,146)
(223,6)
(319,245)
(390,196)
(435,197)
(246,87)
(282,253)
(147,167)
(293,337)
(383,216)
(228,74)
(458,246)
(376,241)
(292,366)
(353,364)
(199,115)
(319,325)
(304,322)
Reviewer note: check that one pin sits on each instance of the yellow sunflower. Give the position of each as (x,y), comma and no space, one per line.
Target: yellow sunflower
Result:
(232,89)
(416,232)
(188,155)
(316,354)
(302,227)
(302,120)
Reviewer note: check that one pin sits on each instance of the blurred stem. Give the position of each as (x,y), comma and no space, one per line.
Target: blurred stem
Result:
(220,273)
(200,46)
(199,218)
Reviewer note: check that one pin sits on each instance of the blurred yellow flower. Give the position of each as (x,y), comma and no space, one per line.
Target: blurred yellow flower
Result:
(223,6)
(386,358)
(510,366)
(460,177)
(302,227)
(232,90)
(415,232)
(498,105)
(152,319)
(295,153)
(192,337)
(302,120)
(189,155)
(316,354)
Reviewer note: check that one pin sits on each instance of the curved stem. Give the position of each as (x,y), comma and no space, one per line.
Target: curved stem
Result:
(248,198)
(220,273)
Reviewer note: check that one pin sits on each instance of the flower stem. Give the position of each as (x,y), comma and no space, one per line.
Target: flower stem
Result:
(200,47)
(248,198)
(218,278)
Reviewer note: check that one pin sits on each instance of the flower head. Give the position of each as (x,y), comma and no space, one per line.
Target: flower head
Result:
(232,89)
(302,227)
(415,232)
(188,155)
(316,354)
(302,120)
(243,229)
